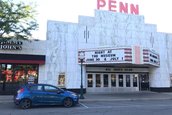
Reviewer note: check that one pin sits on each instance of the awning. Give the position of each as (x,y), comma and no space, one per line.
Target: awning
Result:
(22,59)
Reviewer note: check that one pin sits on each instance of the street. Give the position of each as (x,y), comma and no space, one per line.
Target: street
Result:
(156,107)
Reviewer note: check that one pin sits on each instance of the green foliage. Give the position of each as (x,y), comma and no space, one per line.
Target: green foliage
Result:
(16,20)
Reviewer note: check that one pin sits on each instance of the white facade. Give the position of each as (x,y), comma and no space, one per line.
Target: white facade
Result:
(105,30)
(119,50)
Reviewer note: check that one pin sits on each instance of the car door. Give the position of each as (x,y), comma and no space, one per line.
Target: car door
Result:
(37,94)
(53,95)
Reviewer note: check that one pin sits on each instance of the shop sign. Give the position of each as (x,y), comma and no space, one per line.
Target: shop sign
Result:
(150,57)
(119,69)
(118,6)
(11,45)
(31,80)
(154,58)
(103,56)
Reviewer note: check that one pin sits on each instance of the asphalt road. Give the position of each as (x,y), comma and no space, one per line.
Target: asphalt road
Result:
(156,107)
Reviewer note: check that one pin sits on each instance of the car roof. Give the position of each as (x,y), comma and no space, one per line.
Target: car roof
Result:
(39,84)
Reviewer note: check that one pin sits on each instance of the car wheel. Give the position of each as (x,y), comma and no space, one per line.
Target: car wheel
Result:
(68,102)
(25,104)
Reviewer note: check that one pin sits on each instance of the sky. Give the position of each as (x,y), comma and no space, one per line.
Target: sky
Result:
(155,12)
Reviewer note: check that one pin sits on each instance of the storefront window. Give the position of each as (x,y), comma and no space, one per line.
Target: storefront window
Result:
(61,80)
(22,74)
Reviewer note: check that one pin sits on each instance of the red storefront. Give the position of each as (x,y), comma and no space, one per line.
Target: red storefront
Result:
(18,69)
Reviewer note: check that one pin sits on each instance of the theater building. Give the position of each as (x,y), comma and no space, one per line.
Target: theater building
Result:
(121,53)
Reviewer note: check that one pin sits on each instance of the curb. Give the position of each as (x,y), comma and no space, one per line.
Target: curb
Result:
(108,100)
(9,99)
(6,101)
(143,99)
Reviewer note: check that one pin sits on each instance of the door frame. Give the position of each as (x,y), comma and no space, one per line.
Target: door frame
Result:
(109,80)
(144,84)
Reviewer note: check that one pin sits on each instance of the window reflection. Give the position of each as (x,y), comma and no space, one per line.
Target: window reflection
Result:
(121,80)
(127,80)
(18,73)
(98,80)
(113,80)
(90,80)
(106,80)
(135,77)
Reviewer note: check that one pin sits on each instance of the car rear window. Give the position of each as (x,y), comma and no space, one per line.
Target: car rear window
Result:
(36,88)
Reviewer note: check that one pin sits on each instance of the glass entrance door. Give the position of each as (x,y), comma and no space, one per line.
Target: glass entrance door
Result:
(135,80)
(104,82)
(144,81)
(98,80)
(121,80)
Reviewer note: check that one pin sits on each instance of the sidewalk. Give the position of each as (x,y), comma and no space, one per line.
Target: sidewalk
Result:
(127,96)
(112,97)
(6,98)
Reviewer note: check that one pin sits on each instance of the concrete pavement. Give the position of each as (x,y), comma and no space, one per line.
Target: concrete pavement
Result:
(131,96)
(6,98)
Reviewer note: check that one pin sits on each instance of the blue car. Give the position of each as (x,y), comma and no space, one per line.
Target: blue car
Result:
(44,94)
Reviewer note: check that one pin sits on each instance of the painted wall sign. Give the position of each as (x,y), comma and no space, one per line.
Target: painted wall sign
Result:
(118,6)
(11,45)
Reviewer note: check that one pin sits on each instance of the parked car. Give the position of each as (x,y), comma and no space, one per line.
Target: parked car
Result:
(44,94)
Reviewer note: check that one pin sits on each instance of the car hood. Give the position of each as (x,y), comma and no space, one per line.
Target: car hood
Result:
(70,93)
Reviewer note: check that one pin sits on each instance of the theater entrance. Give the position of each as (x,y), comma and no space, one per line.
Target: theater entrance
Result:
(117,82)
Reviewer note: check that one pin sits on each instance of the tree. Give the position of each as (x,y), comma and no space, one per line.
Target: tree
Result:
(16,20)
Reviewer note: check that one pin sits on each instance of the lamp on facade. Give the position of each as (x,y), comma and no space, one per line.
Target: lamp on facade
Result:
(81,57)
